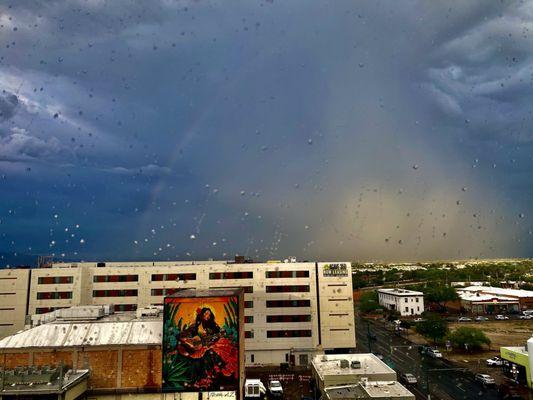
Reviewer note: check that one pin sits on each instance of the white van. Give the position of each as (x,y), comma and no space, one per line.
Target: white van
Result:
(254,389)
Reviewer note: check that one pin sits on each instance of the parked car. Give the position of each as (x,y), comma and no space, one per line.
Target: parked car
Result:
(501,317)
(464,319)
(275,389)
(408,379)
(494,362)
(434,353)
(423,349)
(480,318)
(485,379)
(526,316)
(418,320)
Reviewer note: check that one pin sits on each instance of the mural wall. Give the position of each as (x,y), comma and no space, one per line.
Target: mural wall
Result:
(201,344)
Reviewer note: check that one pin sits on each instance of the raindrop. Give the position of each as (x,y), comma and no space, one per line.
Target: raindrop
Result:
(309,141)
(415,166)
(243,192)
(464,188)
(192,237)
(521,215)
(82,241)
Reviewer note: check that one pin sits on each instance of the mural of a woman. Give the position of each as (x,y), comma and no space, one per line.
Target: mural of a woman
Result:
(213,355)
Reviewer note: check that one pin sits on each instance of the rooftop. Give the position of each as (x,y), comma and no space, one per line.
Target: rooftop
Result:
(330,364)
(400,292)
(40,381)
(116,330)
(369,390)
(469,296)
(499,291)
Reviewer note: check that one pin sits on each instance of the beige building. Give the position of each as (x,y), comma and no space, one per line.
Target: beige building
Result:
(356,376)
(14,286)
(292,310)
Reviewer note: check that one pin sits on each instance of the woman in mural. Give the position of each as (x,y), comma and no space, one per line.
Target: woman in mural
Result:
(212,354)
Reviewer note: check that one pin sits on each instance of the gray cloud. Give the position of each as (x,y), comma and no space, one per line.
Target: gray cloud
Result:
(8,105)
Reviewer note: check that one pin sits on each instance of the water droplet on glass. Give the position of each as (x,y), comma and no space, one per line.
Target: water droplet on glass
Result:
(192,237)
(415,166)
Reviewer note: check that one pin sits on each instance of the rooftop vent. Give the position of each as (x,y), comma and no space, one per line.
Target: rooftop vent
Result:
(345,364)
(355,364)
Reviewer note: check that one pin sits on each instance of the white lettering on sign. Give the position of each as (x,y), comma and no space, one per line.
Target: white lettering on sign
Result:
(335,269)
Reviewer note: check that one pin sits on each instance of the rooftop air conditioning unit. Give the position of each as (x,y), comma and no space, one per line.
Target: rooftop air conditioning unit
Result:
(344,363)
(355,364)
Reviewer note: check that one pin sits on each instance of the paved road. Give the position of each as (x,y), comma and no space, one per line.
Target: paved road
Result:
(444,385)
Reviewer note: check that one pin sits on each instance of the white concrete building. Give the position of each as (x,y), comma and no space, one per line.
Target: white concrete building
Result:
(292,310)
(356,376)
(406,302)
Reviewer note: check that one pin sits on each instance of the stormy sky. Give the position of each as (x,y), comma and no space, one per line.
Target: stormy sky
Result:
(331,130)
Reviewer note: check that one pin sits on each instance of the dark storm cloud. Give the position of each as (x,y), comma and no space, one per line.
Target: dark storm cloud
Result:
(8,105)
(321,130)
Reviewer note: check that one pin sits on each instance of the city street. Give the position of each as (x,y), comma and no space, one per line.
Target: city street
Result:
(403,356)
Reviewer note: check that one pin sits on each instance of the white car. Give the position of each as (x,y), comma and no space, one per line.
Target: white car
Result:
(408,379)
(500,317)
(419,320)
(494,362)
(435,353)
(464,319)
(484,379)
(480,318)
(526,316)
(275,388)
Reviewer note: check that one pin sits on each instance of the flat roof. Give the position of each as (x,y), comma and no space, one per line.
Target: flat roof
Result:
(499,291)
(330,364)
(71,378)
(401,292)
(87,333)
(469,296)
(369,390)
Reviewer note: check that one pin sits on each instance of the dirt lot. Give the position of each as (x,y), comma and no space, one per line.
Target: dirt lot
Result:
(501,333)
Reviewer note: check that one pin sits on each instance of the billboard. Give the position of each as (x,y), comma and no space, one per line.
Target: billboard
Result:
(202,337)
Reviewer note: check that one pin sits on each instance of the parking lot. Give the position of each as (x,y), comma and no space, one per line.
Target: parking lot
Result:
(295,382)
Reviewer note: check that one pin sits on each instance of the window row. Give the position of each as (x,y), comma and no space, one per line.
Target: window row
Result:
(174,277)
(125,307)
(287,274)
(164,292)
(51,280)
(54,295)
(116,278)
(288,303)
(287,289)
(231,275)
(289,333)
(115,293)
(288,318)
(44,310)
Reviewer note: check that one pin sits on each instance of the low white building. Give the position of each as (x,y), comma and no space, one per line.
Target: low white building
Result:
(406,302)
(356,376)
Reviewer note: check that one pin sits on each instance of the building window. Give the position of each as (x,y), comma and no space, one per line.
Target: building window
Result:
(289,333)
(125,307)
(286,357)
(406,309)
(252,358)
(248,319)
(287,274)
(249,304)
(288,318)
(54,295)
(287,289)
(288,303)
(163,292)
(44,310)
(115,293)
(417,299)
(248,334)
(231,275)
(51,280)
(115,278)
(174,277)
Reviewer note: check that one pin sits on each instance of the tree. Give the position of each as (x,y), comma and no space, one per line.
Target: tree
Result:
(468,338)
(369,302)
(434,327)
(440,294)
